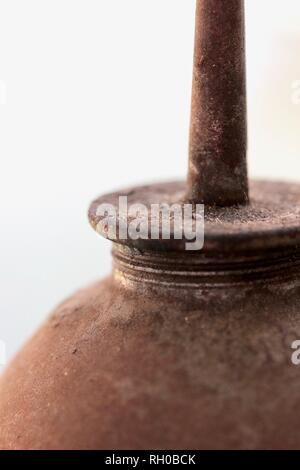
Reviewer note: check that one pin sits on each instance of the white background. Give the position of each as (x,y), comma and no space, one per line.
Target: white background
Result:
(97,98)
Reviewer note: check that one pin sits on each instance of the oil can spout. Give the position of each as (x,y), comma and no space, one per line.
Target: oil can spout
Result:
(218,133)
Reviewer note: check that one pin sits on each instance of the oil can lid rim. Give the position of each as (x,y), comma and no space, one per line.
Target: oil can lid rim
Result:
(270,221)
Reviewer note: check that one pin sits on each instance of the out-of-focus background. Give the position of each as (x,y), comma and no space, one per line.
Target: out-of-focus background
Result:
(95,95)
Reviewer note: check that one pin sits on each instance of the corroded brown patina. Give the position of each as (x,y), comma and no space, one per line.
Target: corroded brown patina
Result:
(179,350)
(218,135)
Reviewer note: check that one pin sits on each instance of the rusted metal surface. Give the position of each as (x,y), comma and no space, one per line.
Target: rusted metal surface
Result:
(129,364)
(179,350)
(218,135)
(270,221)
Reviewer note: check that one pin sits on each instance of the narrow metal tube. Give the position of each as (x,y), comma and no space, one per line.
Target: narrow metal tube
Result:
(218,133)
